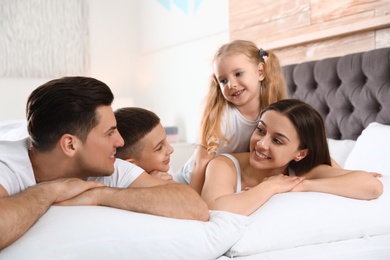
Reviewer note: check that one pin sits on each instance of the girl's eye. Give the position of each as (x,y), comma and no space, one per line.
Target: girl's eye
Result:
(238,74)
(223,82)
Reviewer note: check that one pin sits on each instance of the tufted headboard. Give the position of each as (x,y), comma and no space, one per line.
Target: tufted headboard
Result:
(349,91)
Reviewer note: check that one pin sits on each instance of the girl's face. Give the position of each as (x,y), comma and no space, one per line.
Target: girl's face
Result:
(239,78)
(156,151)
(274,143)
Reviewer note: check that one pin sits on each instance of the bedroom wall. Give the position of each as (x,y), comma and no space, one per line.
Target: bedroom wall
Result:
(152,53)
(111,50)
(177,42)
(303,30)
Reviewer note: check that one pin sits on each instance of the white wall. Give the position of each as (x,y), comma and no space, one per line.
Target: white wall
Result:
(159,58)
(176,48)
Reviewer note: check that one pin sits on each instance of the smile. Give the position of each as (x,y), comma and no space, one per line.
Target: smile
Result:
(237,93)
(262,155)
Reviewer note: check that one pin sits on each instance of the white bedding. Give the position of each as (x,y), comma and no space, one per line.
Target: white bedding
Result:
(365,248)
(289,226)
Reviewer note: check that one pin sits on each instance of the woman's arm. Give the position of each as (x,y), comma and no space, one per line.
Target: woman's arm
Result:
(219,189)
(202,158)
(352,184)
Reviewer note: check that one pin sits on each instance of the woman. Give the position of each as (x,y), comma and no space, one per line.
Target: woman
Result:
(288,152)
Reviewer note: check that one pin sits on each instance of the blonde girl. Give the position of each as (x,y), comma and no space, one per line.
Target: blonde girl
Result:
(245,80)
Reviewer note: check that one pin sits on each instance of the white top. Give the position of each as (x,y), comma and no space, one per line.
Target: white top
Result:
(238,170)
(236,128)
(16,172)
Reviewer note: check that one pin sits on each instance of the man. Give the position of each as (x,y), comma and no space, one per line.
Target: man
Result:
(69,159)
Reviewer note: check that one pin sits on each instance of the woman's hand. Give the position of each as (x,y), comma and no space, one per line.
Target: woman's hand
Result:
(282,183)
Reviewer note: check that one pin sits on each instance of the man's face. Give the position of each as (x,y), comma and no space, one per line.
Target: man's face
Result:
(97,155)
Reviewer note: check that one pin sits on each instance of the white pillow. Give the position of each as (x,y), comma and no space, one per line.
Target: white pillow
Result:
(13,130)
(296,219)
(340,149)
(106,233)
(372,150)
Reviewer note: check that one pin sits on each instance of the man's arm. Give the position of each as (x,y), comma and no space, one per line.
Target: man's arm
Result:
(149,195)
(19,212)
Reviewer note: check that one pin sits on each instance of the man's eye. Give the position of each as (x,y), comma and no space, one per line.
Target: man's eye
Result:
(159,148)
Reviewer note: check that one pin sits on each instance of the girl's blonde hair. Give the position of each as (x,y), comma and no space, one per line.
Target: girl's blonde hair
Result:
(273,89)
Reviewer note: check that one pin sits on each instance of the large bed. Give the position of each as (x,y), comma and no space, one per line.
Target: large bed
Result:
(353,94)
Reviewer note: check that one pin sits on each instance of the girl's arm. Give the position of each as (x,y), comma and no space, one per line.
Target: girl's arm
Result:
(352,184)
(219,189)
(202,158)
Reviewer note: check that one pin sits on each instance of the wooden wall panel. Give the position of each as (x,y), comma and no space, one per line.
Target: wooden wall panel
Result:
(322,11)
(301,30)
(247,13)
(382,38)
(325,49)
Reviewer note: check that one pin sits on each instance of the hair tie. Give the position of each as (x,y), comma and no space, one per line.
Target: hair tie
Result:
(262,53)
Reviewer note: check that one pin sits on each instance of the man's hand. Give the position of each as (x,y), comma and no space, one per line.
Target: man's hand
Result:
(87,198)
(65,189)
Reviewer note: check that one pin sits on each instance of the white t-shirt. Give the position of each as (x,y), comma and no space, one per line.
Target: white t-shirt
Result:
(236,128)
(16,172)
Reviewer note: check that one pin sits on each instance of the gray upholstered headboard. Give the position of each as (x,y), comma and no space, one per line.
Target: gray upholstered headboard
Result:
(350,91)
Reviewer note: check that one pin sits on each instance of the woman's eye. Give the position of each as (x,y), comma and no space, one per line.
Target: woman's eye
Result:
(260,131)
(277,141)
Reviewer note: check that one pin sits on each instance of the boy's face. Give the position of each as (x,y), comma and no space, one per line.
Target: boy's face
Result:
(155,151)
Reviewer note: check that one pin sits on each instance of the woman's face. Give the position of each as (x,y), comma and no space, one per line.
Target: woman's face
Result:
(274,143)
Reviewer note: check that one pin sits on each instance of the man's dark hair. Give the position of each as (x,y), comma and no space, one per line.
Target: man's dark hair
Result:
(64,105)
